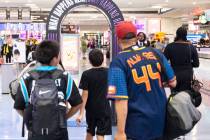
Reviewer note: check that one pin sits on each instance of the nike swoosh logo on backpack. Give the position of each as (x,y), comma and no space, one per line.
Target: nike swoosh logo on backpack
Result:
(44,92)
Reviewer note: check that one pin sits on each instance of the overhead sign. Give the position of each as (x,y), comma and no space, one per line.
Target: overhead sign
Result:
(69,29)
(203,18)
(26,14)
(13,14)
(207,13)
(3,14)
(62,8)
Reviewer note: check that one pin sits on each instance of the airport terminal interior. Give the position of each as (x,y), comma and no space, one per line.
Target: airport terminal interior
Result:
(84,25)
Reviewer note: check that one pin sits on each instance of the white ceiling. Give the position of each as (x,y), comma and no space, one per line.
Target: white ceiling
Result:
(123,4)
(182,8)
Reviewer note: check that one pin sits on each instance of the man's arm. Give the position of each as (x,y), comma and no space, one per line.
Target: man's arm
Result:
(73,111)
(171,78)
(75,101)
(82,109)
(117,91)
(20,112)
(19,104)
(121,107)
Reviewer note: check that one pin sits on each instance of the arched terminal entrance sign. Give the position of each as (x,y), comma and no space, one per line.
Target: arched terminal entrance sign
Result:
(63,7)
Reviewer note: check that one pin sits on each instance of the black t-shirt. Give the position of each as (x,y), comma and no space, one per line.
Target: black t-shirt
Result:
(95,81)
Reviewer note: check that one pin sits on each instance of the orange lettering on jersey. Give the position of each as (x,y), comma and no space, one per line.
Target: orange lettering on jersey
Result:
(131,62)
(142,79)
(138,58)
(134,60)
(159,67)
(149,56)
(154,75)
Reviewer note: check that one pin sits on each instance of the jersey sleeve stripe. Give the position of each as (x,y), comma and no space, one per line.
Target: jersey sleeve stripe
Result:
(24,91)
(69,87)
(172,80)
(116,97)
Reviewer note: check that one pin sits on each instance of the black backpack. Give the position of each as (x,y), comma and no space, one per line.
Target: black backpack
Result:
(45,115)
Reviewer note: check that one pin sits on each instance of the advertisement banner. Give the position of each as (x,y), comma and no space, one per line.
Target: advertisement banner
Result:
(19,55)
(141,26)
(70,52)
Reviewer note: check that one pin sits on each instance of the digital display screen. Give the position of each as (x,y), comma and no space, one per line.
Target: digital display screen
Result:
(70,52)
(195,38)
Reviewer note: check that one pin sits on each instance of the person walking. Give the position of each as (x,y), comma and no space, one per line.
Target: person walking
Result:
(142,40)
(94,86)
(135,85)
(183,57)
(43,96)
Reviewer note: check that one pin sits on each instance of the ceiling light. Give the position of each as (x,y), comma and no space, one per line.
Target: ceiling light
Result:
(164,10)
(166,0)
(94,17)
(133,17)
(194,3)
(156,6)
(31,5)
(130,3)
(6,1)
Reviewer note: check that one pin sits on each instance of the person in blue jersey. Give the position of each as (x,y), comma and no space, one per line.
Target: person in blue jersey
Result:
(135,85)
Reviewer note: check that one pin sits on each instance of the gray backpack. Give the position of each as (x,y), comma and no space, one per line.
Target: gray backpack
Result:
(181,116)
(45,115)
(13,85)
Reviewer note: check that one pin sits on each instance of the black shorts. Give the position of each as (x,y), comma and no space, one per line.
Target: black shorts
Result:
(99,126)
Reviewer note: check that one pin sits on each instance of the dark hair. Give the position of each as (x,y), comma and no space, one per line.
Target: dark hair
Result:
(16,52)
(153,44)
(145,37)
(96,57)
(33,55)
(181,34)
(129,36)
(46,51)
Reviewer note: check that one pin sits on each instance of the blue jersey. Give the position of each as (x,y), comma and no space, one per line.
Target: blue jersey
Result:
(134,75)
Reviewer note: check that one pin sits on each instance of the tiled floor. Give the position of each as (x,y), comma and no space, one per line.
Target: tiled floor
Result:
(11,122)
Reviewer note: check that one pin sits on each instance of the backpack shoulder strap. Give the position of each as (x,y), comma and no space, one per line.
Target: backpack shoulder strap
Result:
(69,86)
(34,75)
(24,91)
(56,74)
